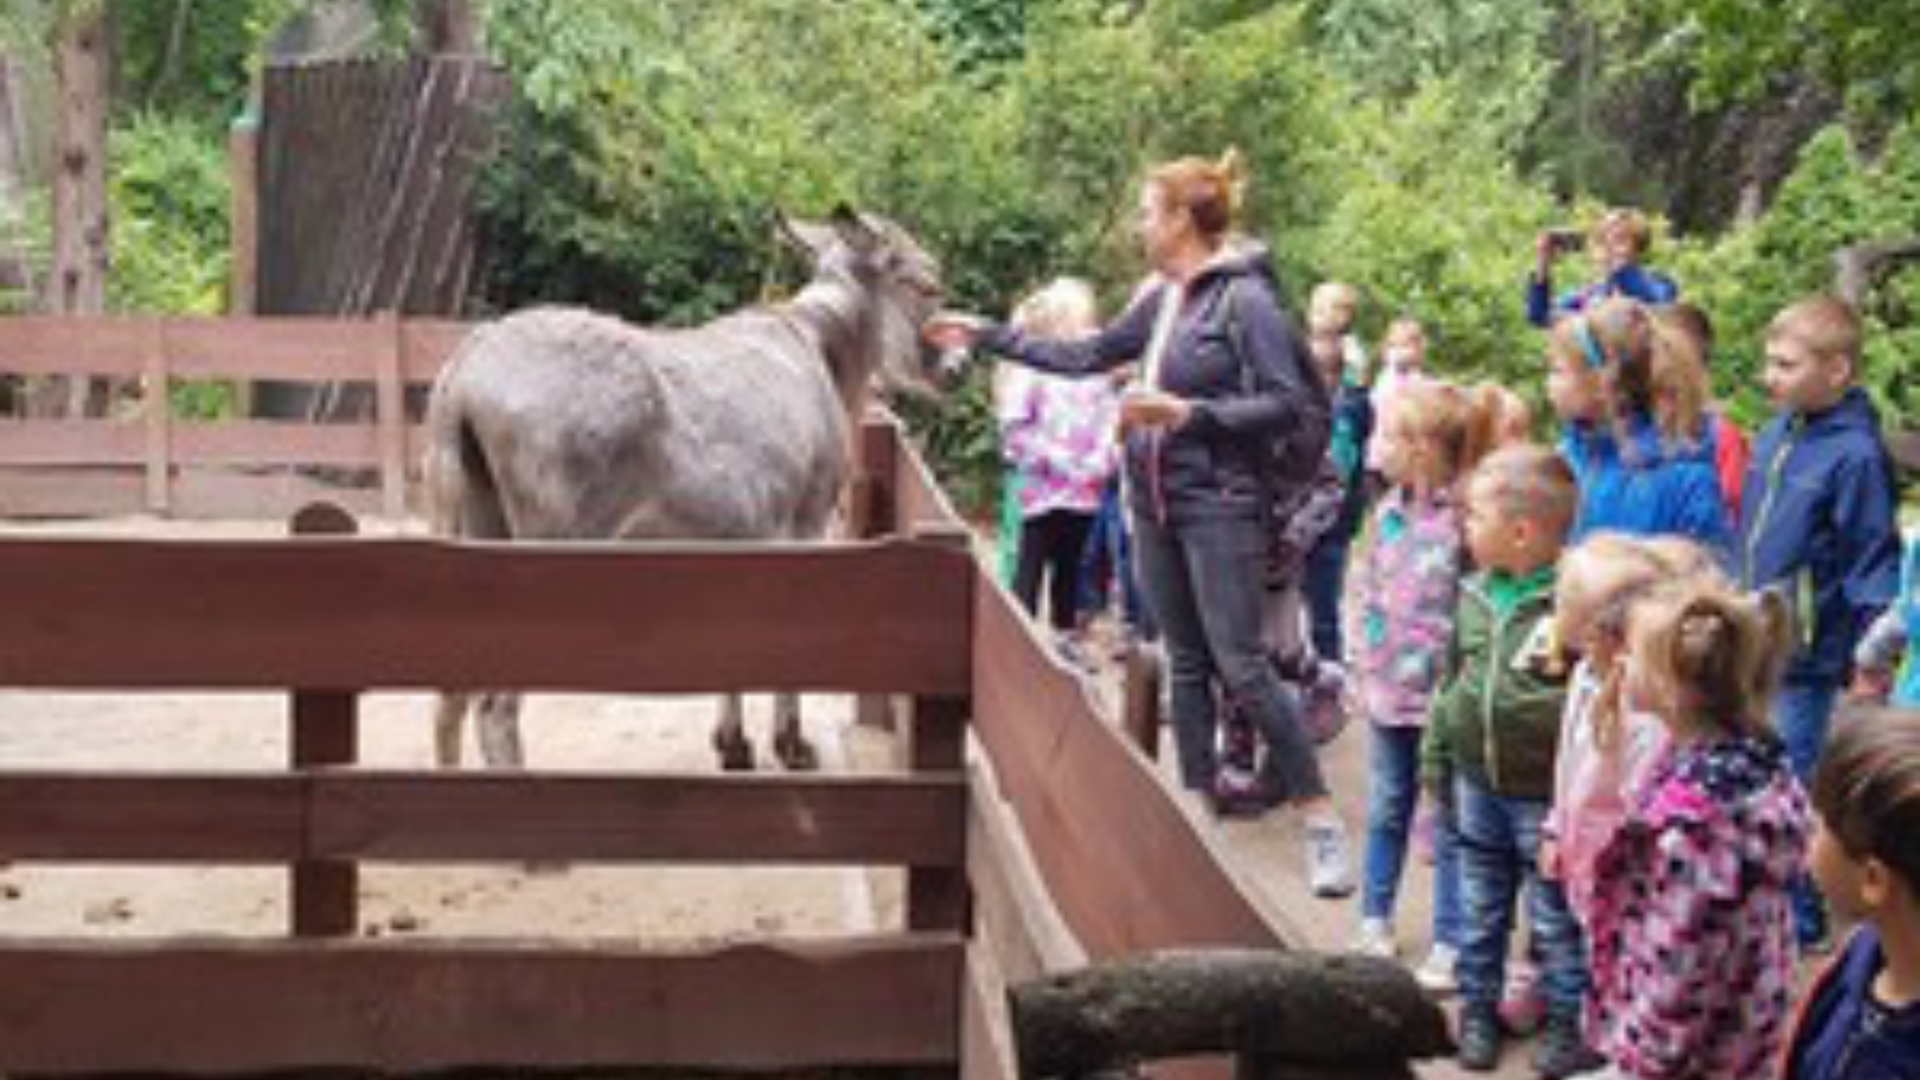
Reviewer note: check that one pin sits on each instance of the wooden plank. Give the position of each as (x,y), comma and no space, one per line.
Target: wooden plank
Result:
(71,492)
(390,417)
(1127,868)
(399,614)
(72,442)
(1014,919)
(64,345)
(268,494)
(937,897)
(442,818)
(225,442)
(427,344)
(325,731)
(243,1007)
(157,413)
(292,349)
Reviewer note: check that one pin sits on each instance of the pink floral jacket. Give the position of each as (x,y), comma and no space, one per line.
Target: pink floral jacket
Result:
(1058,433)
(1692,935)
(1593,787)
(1409,586)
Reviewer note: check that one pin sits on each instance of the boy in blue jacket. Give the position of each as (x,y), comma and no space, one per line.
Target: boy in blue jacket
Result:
(1817,521)
(1861,1019)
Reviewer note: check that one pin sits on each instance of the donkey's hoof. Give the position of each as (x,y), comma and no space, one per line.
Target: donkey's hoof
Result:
(796,753)
(735,756)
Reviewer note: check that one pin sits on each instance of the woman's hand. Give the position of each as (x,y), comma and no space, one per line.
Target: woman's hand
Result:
(953,330)
(1144,408)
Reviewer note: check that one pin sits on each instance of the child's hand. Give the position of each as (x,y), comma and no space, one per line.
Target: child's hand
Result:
(1871,684)
(952,330)
(1549,859)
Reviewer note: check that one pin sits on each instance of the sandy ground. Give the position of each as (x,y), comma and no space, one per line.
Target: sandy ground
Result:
(659,906)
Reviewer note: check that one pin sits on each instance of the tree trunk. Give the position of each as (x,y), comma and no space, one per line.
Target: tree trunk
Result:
(443,27)
(1860,267)
(1282,1014)
(78,283)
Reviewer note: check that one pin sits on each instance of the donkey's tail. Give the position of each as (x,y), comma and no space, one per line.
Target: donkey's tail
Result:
(462,499)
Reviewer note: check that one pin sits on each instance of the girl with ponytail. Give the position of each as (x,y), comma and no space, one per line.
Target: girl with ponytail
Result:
(1691,924)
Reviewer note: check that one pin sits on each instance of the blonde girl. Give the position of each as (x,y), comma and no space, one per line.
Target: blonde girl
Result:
(1691,926)
(1606,748)
(1632,409)
(1057,434)
(1408,586)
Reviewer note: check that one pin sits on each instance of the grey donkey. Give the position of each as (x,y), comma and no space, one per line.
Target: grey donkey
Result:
(561,424)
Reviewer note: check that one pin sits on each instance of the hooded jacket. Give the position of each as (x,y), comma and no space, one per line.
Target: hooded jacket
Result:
(1831,1038)
(1632,280)
(1219,464)
(1647,485)
(1817,520)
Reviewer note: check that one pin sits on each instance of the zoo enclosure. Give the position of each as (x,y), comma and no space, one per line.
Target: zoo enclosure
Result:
(1014,854)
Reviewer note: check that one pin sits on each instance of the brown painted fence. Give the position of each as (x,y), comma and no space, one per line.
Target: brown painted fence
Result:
(144,459)
(1054,844)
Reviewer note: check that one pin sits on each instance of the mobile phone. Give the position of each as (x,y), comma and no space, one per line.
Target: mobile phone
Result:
(1563,241)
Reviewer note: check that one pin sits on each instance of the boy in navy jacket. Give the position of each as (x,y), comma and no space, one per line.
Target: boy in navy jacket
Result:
(1861,1019)
(1817,521)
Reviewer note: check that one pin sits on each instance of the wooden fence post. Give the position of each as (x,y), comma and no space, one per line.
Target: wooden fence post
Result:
(390,414)
(325,731)
(156,400)
(871,515)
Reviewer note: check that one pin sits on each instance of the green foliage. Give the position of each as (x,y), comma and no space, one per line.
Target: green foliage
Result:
(1737,47)
(1433,222)
(167,195)
(1834,198)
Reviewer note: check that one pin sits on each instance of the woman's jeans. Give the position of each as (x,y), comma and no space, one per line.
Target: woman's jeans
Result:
(1393,791)
(1205,583)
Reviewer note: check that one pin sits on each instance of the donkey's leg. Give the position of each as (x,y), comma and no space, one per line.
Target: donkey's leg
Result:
(730,735)
(447,723)
(790,743)
(500,732)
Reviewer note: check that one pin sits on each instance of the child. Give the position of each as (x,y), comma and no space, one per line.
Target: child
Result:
(1879,671)
(1691,928)
(1606,748)
(1685,326)
(1058,434)
(1403,360)
(1617,243)
(1342,366)
(1407,589)
(1494,728)
(1635,431)
(1861,1020)
(1817,524)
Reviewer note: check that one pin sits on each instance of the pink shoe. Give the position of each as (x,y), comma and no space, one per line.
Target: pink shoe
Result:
(1523,1010)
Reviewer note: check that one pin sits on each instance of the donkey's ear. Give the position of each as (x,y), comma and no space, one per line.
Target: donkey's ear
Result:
(854,228)
(804,237)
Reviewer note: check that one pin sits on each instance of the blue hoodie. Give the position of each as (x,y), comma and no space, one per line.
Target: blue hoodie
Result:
(1219,464)
(1817,519)
(1647,485)
(1843,1034)
(1633,281)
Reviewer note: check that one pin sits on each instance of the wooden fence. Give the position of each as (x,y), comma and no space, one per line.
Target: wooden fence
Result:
(1052,844)
(145,459)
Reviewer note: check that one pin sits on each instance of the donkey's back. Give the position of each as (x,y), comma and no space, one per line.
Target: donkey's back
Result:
(559,423)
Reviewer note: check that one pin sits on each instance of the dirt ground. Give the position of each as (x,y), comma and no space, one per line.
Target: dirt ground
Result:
(662,907)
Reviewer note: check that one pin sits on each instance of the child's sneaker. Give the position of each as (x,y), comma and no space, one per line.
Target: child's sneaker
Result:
(1436,973)
(1522,1008)
(1327,871)
(1240,747)
(1375,939)
(1240,792)
(1325,711)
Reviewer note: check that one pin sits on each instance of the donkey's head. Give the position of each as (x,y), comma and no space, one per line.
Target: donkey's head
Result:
(890,287)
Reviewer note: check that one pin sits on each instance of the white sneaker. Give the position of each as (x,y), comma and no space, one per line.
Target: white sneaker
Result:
(1436,973)
(1327,871)
(1375,939)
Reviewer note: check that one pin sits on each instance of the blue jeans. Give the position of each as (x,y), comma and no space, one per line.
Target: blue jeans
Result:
(1107,564)
(1499,852)
(1801,713)
(1204,581)
(1393,790)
